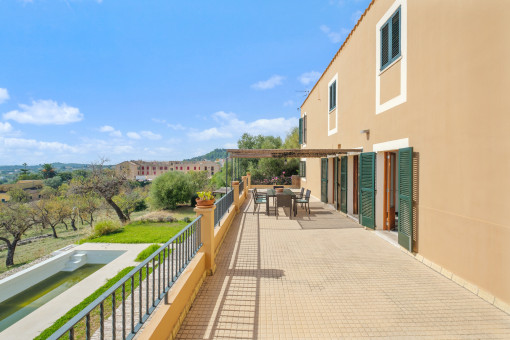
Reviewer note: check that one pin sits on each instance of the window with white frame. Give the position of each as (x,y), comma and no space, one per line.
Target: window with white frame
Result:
(332,96)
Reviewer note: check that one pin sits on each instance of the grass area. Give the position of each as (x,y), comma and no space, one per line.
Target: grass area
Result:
(141,232)
(79,329)
(148,252)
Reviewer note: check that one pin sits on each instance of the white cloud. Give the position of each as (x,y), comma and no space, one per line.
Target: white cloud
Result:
(44,112)
(334,37)
(309,77)
(4,95)
(150,135)
(133,135)
(230,127)
(5,127)
(176,126)
(111,130)
(268,84)
(22,143)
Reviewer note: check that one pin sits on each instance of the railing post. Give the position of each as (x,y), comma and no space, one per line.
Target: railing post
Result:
(235,185)
(245,181)
(207,236)
(248,183)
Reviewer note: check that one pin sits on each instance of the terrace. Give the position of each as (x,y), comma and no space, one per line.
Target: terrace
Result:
(314,276)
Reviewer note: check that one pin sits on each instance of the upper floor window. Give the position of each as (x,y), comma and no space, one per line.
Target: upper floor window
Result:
(332,96)
(390,40)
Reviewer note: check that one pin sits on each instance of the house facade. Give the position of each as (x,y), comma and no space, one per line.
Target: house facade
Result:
(148,170)
(421,89)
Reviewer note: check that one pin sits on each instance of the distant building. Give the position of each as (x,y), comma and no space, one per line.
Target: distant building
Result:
(148,170)
(31,187)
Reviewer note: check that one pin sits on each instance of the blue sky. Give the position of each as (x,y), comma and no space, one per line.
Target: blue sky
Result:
(157,80)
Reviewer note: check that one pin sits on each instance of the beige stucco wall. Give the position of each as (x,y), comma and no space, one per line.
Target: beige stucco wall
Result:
(456,117)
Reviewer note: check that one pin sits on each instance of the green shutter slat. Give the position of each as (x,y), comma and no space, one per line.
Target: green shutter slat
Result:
(300,130)
(343,185)
(324,180)
(395,35)
(405,198)
(385,36)
(367,189)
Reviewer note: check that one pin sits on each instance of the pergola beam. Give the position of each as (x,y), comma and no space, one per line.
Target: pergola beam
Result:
(288,153)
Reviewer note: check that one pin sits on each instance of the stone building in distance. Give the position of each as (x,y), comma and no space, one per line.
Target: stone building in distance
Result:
(148,170)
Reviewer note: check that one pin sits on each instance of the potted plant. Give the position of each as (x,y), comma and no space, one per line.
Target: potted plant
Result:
(205,198)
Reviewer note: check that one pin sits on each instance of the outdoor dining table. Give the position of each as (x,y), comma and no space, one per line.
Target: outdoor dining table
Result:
(273,193)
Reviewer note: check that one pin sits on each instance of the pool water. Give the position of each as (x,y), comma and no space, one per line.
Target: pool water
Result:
(20,305)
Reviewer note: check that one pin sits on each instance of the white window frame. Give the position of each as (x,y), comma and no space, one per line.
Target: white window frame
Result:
(334,130)
(402,97)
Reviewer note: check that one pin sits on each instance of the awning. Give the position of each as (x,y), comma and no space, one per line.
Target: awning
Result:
(288,153)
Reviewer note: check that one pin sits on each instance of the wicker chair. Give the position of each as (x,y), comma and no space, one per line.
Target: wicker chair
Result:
(258,198)
(284,201)
(305,202)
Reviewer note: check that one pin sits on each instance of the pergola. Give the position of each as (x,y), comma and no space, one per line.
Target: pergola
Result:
(279,153)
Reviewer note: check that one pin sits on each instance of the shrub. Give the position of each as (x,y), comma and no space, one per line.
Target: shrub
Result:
(147,252)
(187,219)
(169,189)
(106,227)
(194,200)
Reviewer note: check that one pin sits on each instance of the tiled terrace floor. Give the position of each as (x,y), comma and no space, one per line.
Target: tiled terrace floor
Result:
(324,277)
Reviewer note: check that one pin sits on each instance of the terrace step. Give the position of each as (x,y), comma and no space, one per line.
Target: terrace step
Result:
(76,261)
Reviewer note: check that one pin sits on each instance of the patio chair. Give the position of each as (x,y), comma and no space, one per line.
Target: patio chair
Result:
(300,195)
(258,198)
(305,202)
(284,201)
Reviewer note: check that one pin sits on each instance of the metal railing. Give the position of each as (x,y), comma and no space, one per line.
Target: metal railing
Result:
(223,206)
(138,292)
(241,187)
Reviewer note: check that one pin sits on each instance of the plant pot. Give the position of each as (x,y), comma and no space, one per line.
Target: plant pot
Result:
(279,189)
(204,203)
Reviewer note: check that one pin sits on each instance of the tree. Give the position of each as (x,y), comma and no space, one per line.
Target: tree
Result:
(131,199)
(51,211)
(169,189)
(18,195)
(24,170)
(48,171)
(88,204)
(53,182)
(15,220)
(199,180)
(105,182)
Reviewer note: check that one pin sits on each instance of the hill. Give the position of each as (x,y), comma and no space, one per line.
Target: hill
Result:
(210,156)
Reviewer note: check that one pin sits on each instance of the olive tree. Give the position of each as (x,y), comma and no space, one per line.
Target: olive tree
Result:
(15,220)
(105,182)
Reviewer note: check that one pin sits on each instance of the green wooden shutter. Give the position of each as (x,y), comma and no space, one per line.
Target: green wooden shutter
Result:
(302,168)
(324,180)
(367,189)
(405,198)
(300,130)
(336,164)
(343,185)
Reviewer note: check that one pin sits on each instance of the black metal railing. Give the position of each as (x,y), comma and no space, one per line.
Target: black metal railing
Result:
(138,293)
(223,206)
(241,187)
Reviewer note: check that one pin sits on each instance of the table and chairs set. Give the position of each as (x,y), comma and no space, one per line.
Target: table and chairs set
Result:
(278,197)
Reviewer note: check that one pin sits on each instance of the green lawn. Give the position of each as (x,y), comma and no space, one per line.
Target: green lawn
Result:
(141,232)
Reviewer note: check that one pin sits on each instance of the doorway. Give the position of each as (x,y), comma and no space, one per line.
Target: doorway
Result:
(390,183)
